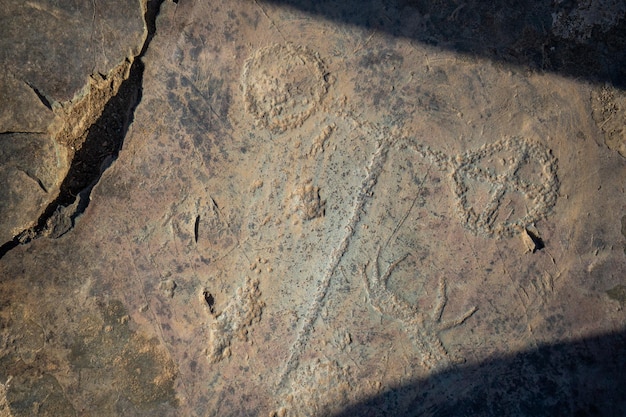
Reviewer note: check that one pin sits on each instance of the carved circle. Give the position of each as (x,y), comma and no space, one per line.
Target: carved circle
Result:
(283,84)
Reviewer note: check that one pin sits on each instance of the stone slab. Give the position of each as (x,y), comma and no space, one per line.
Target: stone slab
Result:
(310,218)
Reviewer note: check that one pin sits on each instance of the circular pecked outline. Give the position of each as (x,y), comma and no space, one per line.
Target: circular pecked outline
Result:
(279,113)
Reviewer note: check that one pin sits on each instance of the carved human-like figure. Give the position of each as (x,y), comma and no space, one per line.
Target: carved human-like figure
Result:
(423,328)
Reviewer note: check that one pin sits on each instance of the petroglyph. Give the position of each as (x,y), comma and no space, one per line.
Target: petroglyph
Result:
(29,336)
(210,229)
(618,293)
(168,287)
(508,167)
(365,191)
(106,349)
(308,201)
(539,196)
(242,311)
(501,188)
(283,84)
(609,113)
(320,143)
(422,328)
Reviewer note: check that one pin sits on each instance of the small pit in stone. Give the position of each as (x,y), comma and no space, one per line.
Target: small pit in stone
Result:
(210,301)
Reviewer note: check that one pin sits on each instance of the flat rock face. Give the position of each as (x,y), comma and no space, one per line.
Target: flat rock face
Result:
(29,168)
(55,46)
(22,108)
(315,218)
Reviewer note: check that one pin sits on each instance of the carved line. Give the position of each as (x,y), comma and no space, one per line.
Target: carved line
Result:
(276,112)
(423,329)
(542,195)
(365,191)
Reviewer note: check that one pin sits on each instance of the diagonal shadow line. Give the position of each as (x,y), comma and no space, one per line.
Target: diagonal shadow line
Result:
(518,33)
(579,378)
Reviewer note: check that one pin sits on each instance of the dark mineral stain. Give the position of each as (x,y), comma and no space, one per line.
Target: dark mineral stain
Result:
(618,293)
(387,58)
(116,360)
(624,231)
(172,82)
(30,394)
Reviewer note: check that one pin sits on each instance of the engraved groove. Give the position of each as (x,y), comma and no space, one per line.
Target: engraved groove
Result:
(283,84)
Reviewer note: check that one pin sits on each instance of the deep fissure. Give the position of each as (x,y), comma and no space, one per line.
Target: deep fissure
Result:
(101,146)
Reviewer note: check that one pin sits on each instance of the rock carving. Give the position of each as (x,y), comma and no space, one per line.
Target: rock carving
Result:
(283,84)
(244,309)
(509,167)
(423,328)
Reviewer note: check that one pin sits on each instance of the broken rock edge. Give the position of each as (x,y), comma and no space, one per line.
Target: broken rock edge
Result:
(134,73)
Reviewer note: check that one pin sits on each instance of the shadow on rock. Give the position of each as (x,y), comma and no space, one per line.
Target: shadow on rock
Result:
(582,378)
(564,37)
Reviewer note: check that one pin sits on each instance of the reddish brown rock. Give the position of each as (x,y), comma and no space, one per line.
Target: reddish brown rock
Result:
(374,227)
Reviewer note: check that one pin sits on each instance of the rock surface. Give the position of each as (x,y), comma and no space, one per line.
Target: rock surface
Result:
(29,168)
(54,47)
(316,218)
(52,55)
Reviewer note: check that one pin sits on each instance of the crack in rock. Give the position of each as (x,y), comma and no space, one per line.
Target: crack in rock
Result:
(92,128)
